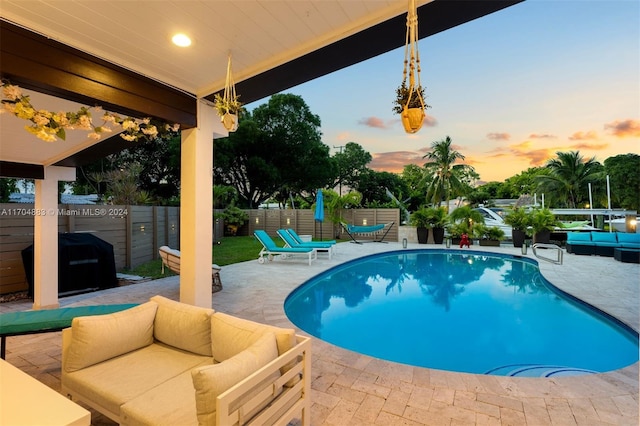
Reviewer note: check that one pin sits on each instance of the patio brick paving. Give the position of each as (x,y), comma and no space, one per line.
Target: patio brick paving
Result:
(354,389)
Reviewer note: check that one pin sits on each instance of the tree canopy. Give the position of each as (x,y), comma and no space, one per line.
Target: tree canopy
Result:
(624,178)
(277,152)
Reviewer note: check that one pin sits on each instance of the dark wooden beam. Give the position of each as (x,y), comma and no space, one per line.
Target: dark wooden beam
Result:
(433,17)
(9,169)
(39,63)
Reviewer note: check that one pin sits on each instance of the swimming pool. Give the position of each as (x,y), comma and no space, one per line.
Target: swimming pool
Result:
(463,311)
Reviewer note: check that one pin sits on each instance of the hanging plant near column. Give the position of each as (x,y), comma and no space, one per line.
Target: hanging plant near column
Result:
(227,105)
(409,101)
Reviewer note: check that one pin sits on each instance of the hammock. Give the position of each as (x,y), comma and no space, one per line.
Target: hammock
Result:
(379,232)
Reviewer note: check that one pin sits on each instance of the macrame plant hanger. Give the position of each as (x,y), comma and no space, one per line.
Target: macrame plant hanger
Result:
(230,117)
(412,116)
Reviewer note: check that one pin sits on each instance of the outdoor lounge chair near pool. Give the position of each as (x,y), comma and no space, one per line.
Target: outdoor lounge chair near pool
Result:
(296,237)
(289,241)
(171,259)
(270,249)
(379,232)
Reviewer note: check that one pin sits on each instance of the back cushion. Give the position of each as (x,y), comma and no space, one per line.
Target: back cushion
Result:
(101,337)
(628,238)
(212,380)
(578,236)
(231,335)
(603,237)
(183,326)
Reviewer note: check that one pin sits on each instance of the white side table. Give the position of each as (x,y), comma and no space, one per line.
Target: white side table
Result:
(26,401)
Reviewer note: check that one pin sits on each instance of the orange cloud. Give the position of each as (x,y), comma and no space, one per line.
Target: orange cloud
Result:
(624,128)
(591,146)
(498,136)
(581,136)
(374,122)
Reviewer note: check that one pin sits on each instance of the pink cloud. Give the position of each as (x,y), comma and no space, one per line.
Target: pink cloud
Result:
(590,146)
(624,128)
(394,161)
(498,136)
(541,136)
(581,136)
(374,122)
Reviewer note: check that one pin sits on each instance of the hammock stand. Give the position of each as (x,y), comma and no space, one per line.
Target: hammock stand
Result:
(379,232)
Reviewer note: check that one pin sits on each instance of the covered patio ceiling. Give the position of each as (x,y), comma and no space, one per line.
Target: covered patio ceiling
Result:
(119,55)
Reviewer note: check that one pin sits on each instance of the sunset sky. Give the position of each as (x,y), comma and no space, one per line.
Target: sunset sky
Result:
(510,89)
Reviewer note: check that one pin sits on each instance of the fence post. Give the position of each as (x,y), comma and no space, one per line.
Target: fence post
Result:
(129,238)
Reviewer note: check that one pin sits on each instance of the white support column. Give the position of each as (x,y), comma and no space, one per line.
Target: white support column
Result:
(196,207)
(45,236)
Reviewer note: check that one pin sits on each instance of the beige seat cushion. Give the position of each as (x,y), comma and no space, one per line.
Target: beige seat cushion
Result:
(171,403)
(210,381)
(183,326)
(119,380)
(102,337)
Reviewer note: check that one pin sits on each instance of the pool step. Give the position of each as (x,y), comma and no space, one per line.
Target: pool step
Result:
(538,370)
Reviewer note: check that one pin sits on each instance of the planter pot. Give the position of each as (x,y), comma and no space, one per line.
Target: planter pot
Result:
(230,121)
(490,243)
(423,235)
(412,119)
(518,237)
(542,237)
(438,235)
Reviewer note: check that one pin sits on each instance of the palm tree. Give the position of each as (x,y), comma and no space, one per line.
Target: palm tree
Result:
(569,176)
(445,176)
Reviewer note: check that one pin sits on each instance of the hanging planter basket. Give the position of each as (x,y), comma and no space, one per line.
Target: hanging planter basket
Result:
(409,101)
(228,105)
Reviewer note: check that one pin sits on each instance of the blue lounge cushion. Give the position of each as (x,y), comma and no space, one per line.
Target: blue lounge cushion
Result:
(268,243)
(578,237)
(627,240)
(604,237)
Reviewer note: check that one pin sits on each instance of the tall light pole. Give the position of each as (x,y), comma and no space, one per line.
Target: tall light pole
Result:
(339,171)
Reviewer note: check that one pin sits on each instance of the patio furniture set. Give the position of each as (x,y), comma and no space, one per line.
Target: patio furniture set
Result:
(622,246)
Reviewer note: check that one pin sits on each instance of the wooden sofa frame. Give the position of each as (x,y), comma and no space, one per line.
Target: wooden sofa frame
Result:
(292,402)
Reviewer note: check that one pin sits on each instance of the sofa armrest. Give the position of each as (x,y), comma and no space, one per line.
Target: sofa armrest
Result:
(287,403)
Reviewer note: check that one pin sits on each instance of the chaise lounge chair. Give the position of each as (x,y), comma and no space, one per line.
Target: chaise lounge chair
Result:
(270,249)
(171,259)
(289,241)
(296,237)
(379,232)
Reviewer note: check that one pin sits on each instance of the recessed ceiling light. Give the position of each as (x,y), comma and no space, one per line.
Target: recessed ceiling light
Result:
(181,40)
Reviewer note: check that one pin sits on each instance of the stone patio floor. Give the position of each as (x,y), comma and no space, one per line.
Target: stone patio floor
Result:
(349,388)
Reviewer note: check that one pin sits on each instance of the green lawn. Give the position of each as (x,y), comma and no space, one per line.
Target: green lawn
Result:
(230,250)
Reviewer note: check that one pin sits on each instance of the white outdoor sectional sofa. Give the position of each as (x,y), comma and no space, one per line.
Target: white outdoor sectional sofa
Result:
(168,363)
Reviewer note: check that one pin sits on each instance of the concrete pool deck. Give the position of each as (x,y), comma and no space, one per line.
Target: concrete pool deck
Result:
(354,389)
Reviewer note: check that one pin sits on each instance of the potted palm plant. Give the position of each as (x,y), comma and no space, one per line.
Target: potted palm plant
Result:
(420,219)
(519,221)
(488,235)
(437,221)
(234,218)
(228,110)
(542,222)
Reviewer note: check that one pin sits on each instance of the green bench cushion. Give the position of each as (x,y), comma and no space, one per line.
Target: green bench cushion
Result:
(16,323)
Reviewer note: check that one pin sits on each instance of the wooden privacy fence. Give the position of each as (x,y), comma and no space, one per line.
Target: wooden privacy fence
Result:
(137,232)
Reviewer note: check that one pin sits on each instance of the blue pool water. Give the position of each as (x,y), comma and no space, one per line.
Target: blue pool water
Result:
(460,311)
